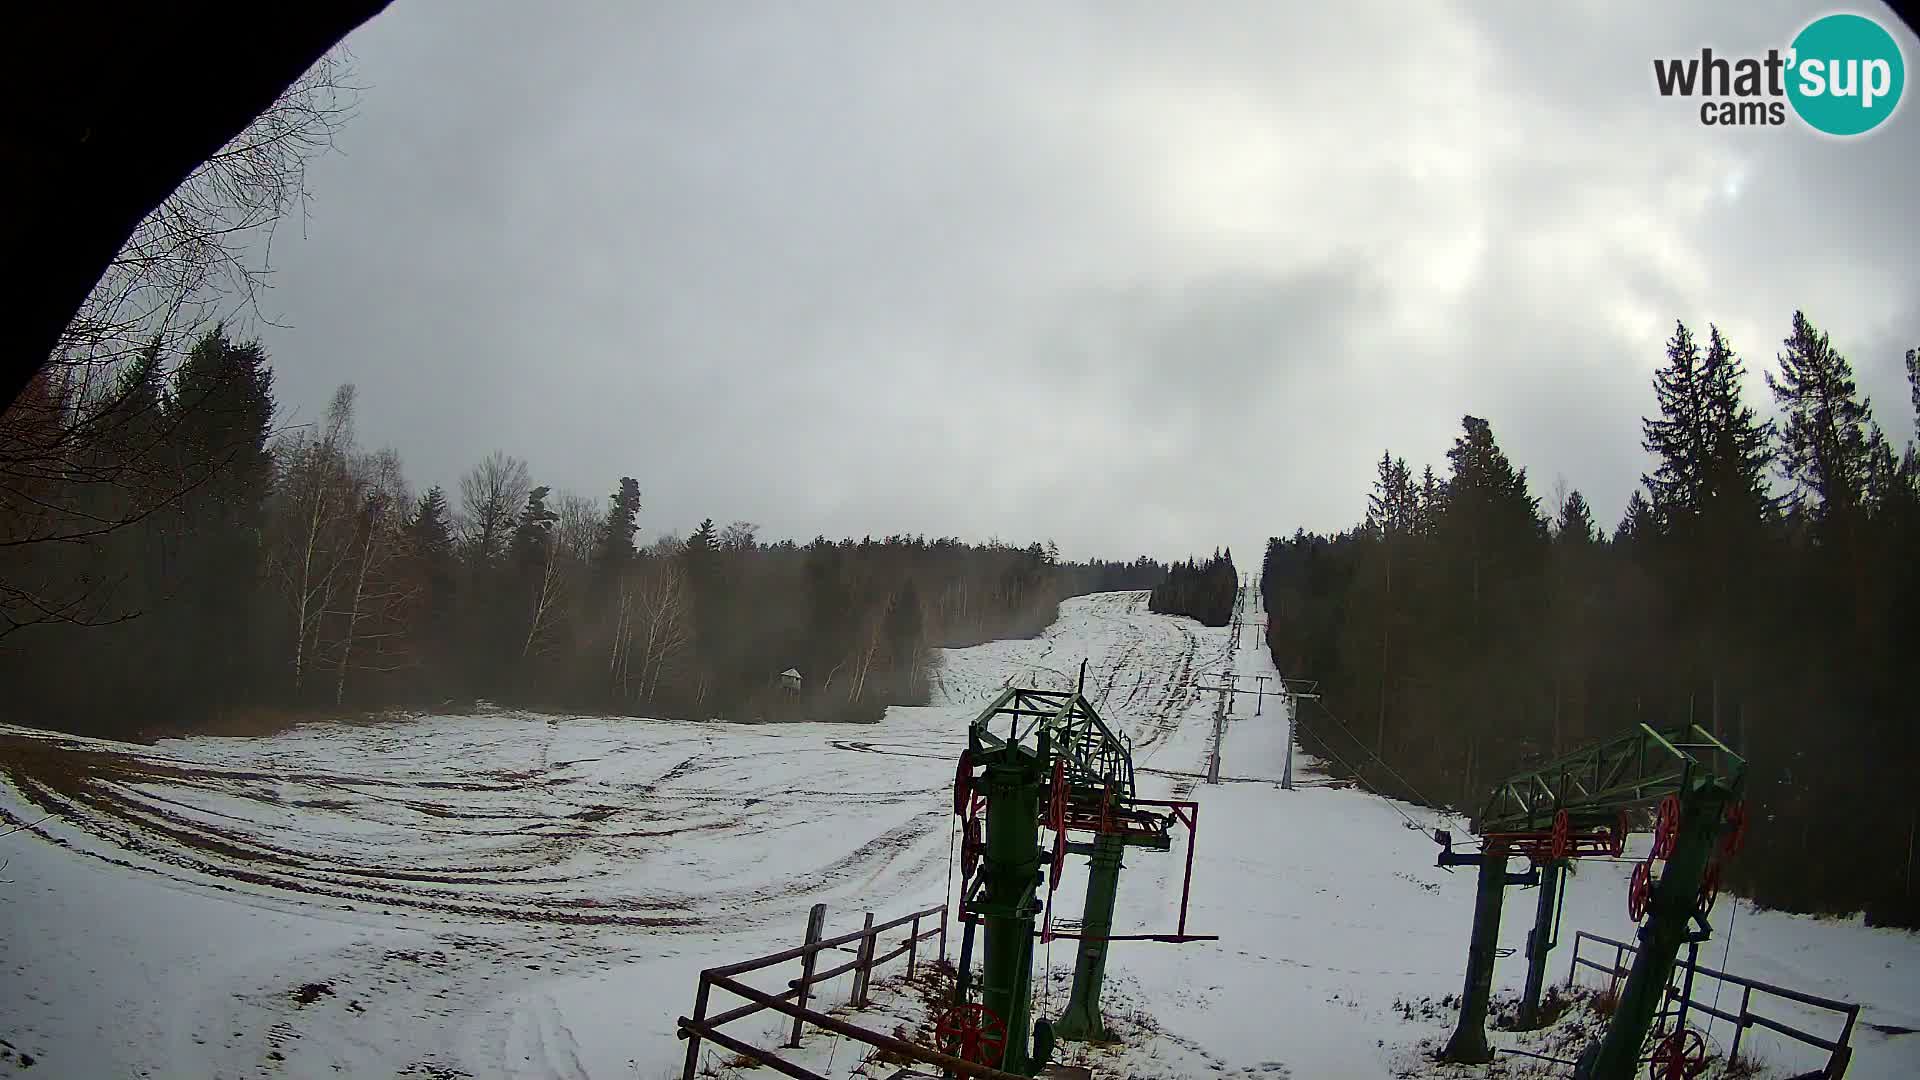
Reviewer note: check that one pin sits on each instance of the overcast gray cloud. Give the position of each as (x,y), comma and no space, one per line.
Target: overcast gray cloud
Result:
(1136,277)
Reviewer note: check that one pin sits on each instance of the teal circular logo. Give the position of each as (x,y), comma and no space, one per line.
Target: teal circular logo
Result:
(1846,74)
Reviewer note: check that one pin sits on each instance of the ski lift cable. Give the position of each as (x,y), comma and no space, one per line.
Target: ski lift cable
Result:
(953,833)
(1364,786)
(1391,771)
(1361,781)
(1727,952)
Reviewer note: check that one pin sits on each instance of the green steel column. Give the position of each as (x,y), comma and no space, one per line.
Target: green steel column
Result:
(1081,1021)
(1011,866)
(1669,911)
(1468,1046)
(1539,942)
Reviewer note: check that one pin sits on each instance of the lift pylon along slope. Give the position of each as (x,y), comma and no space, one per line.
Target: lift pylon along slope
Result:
(1044,759)
(1583,805)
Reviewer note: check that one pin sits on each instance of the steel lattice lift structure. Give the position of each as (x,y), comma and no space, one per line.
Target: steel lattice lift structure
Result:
(1582,806)
(1044,759)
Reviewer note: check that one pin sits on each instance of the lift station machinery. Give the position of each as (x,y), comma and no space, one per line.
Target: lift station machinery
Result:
(1044,760)
(1582,806)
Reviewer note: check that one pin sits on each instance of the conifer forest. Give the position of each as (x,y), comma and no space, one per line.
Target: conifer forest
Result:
(1763,581)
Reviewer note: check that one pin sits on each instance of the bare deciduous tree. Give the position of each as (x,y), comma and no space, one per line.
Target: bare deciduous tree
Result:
(492,494)
(373,617)
(663,615)
(548,594)
(316,491)
(205,252)
(871,645)
(579,526)
(202,254)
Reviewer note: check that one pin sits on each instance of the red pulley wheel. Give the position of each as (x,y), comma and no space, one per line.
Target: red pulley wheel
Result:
(1680,1055)
(1736,829)
(1562,835)
(1666,829)
(1639,890)
(970,848)
(1059,860)
(963,783)
(1617,843)
(973,1033)
(1709,887)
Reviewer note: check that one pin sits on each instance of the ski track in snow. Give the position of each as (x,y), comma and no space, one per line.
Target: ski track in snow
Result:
(498,895)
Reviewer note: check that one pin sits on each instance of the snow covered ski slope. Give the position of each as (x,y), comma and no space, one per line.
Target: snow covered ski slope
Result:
(514,895)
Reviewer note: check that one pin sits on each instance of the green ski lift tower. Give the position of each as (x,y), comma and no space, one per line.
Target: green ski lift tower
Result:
(1044,761)
(1582,805)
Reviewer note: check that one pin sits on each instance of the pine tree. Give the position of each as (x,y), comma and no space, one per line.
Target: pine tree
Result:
(535,569)
(530,536)
(430,539)
(1639,524)
(1827,443)
(1678,439)
(1573,584)
(218,419)
(712,604)
(1493,541)
(1911,463)
(701,548)
(829,607)
(131,426)
(1737,447)
(432,526)
(614,551)
(1913,384)
(1376,619)
(1575,524)
(1393,508)
(1429,502)
(1494,524)
(1709,497)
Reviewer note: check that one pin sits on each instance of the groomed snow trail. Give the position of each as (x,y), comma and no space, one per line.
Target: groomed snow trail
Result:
(515,895)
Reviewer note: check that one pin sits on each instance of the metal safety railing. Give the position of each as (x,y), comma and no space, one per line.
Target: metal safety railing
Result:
(793,1001)
(1839,1049)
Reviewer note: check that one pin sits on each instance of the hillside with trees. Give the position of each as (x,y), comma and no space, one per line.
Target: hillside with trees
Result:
(1203,591)
(170,559)
(1763,583)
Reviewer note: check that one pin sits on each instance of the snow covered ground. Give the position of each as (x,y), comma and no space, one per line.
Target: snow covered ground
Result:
(521,896)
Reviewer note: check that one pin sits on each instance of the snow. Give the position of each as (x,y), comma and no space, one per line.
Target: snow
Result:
(495,895)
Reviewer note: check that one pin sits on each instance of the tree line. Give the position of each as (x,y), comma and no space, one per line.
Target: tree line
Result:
(170,557)
(1764,583)
(1202,591)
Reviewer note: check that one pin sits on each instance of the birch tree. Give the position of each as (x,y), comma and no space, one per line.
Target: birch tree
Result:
(317,490)
(666,606)
(373,617)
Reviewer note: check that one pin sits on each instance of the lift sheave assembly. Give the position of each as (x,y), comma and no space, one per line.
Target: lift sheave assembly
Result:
(1044,761)
(1583,806)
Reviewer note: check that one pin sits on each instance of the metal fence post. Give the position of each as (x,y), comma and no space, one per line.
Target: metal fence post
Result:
(864,970)
(943,933)
(816,924)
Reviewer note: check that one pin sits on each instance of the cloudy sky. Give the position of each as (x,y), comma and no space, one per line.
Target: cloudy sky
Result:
(1139,277)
